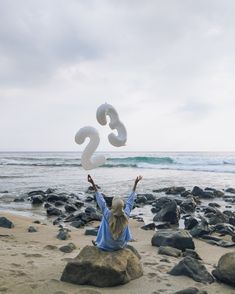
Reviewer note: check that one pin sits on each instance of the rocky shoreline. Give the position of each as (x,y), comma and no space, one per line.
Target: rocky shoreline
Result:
(208,223)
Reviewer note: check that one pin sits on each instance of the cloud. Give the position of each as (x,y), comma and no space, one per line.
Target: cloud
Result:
(160,63)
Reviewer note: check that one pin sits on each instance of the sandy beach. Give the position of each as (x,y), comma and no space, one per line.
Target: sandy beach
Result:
(33,263)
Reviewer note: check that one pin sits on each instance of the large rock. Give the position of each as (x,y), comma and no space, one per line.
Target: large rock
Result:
(6,223)
(101,268)
(192,268)
(225,270)
(168,213)
(179,239)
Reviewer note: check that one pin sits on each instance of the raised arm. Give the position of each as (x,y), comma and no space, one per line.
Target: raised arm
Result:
(132,196)
(136,182)
(99,197)
(90,180)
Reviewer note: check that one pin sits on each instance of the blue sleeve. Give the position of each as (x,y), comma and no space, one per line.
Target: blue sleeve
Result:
(102,204)
(129,203)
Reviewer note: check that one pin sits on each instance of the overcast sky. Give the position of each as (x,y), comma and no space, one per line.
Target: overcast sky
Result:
(167,66)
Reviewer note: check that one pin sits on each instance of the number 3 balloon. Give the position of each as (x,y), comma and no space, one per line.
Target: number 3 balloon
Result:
(115,123)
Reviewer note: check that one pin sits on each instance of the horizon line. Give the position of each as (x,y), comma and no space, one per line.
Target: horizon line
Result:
(121,151)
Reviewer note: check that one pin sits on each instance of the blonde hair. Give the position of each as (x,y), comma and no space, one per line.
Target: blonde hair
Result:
(118,219)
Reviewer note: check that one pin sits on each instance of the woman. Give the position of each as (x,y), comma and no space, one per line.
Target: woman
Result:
(114,232)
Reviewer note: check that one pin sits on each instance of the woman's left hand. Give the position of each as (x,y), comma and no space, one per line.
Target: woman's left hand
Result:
(90,180)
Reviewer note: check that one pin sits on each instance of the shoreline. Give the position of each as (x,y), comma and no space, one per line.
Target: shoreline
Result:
(29,266)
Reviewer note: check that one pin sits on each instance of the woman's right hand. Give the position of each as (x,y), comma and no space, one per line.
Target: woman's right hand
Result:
(138,179)
(136,182)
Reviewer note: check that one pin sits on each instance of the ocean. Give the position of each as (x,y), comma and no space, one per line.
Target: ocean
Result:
(21,172)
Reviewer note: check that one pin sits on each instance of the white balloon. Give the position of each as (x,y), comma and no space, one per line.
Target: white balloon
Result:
(87,161)
(115,123)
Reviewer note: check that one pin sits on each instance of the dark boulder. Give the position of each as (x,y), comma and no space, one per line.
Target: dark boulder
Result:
(70,208)
(141,199)
(63,234)
(94,217)
(37,199)
(101,268)
(217,193)
(89,199)
(175,190)
(170,251)
(150,226)
(77,224)
(160,190)
(213,240)
(179,239)
(6,223)
(188,205)
(217,217)
(214,204)
(57,221)
(38,192)
(192,253)
(223,229)
(225,270)
(79,204)
(108,200)
(19,199)
(36,221)
(192,268)
(50,191)
(162,225)
(197,191)
(168,213)
(186,194)
(148,196)
(190,222)
(154,210)
(32,229)
(52,211)
(90,209)
(230,190)
(54,197)
(67,248)
(232,221)
(201,228)
(59,203)
(91,232)
(47,205)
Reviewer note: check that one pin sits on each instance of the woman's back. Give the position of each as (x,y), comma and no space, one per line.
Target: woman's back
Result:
(105,238)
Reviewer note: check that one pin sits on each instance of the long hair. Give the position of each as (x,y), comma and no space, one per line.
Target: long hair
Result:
(118,219)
